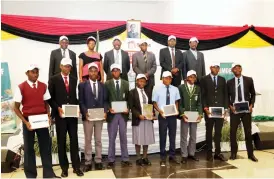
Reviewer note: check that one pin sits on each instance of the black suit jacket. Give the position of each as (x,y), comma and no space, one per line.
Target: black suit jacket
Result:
(249,90)
(59,93)
(212,97)
(166,64)
(135,106)
(109,59)
(55,60)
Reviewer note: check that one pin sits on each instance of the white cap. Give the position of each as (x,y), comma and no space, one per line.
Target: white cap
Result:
(166,74)
(143,41)
(191,72)
(171,37)
(214,64)
(91,37)
(141,76)
(116,38)
(193,39)
(32,66)
(63,38)
(236,64)
(114,65)
(66,61)
(92,65)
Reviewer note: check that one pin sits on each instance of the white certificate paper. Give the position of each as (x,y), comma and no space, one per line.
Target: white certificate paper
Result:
(70,110)
(241,107)
(96,114)
(192,115)
(119,106)
(216,112)
(170,110)
(39,121)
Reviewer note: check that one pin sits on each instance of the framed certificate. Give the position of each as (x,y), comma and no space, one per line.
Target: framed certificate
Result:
(96,114)
(39,121)
(192,115)
(216,112)
(148,111)
(170,110)
(119,106)
(241,107)
(70,110)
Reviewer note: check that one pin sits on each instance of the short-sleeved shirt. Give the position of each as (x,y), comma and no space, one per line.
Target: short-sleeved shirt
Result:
(159,95)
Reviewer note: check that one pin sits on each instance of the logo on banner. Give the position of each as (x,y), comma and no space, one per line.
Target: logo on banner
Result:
(225,70)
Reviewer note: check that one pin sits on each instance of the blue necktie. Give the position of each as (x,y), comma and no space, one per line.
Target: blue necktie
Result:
(167,96)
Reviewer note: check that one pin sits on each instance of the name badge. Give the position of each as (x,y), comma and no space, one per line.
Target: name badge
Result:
(124,95)
(196,97)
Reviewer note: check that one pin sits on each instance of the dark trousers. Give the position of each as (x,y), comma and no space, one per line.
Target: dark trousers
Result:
(235,120)
(176,80)
(70,126)
(170,124)
(217,123)
(45,152)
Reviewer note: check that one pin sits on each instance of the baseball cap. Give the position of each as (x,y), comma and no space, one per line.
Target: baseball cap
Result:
(171,37)
(166,74)
(114,65)
(66,61)
(63,38)
(139,76)
(32,66)
(193,39)
(191,72)
(92,65)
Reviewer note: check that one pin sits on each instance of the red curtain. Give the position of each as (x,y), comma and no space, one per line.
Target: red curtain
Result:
(268,31)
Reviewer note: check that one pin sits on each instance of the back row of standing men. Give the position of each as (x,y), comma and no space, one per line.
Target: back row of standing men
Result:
(94,94)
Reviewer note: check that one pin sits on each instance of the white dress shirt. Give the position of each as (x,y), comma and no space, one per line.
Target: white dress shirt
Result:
(141,97)
(190,87)
(66,52)
(242,89)
(118,54)
(194,53)
(18,95)
(96,86)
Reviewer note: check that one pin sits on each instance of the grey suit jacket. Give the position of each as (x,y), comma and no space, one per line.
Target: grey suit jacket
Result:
(55,60)
(140,66)
(109,60)
(192,64)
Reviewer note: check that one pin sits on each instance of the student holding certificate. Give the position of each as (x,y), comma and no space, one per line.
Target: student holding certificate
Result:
(142,127)
(117,115)
(241,89)
(214,92)
(191,113)
(166,95)
(62,88)
(33,95)
(92,95)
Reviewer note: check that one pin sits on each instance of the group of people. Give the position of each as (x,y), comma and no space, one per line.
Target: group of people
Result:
(197,93)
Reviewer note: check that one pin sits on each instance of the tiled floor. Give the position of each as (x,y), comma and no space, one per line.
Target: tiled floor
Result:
(240,168)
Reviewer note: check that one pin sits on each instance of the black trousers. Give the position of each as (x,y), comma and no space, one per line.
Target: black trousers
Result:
(70,126)
(217,124)
(235,120)
(170,124)
(45,152)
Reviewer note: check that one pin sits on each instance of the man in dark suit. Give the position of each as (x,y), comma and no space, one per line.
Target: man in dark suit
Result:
(214,92)
(194,60)
(118,90)
(58,54)
(92,94)
(144,62)
(241,88)
(171,59)
(117,56)
(62,88)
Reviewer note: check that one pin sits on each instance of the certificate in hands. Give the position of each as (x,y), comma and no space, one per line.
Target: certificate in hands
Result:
(170,110)
(216,112)
(39,121)
(241,107)
(70,110)
(119,106)
(96,114)
(192,115)
(148,111)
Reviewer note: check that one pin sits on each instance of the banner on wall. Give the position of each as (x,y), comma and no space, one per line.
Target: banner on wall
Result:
(8,118)
(225,70)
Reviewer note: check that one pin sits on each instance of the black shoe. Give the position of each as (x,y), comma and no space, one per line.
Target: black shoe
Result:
(220,157)
(111,165)
(126,164)
(78,172)
(99,166)
(64,173)
(146,161)
(193,158)
(87,168)
(253,158)
(139,162)
(209,157)
(184,160)
(233,157)
(173,160)
(163,163)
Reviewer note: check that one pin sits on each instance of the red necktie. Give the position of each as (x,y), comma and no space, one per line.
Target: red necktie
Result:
(34,86)
(66,83)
